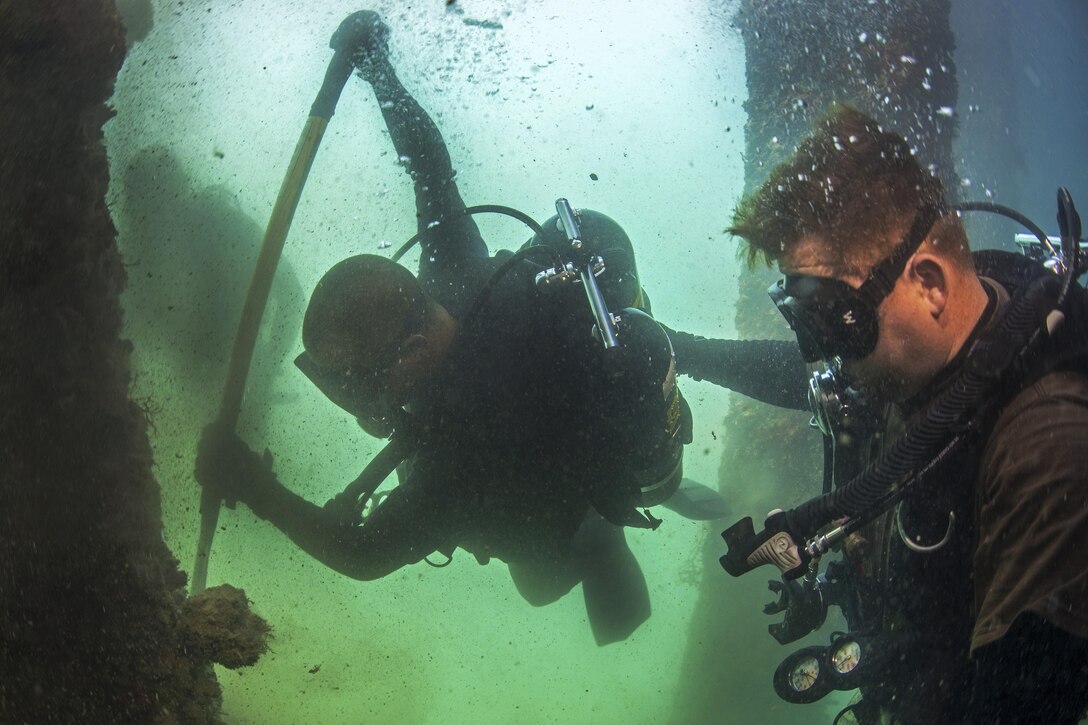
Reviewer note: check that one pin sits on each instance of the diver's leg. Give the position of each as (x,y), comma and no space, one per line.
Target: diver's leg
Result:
(616,596)
(449,235)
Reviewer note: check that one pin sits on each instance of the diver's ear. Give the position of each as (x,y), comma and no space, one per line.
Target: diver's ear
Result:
(929,273)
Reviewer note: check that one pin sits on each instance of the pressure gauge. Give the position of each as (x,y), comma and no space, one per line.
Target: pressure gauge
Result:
(801,678)
(845,655)
(804,674)
(849,662)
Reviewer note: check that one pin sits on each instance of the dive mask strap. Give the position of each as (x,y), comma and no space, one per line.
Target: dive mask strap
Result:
(883,276)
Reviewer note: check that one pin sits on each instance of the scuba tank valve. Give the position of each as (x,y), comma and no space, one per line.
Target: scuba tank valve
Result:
(588,267)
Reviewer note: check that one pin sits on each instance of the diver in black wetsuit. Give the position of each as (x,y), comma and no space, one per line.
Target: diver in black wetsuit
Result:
(531,444)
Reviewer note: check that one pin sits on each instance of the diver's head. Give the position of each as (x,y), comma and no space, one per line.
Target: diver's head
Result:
(603,237)
(871,257)
(373,333)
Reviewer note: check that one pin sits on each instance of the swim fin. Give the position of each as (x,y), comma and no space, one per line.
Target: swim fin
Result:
(697,502)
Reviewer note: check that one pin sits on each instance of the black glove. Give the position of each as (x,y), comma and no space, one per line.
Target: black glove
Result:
(804,605)
(370,35)
(682,347)
(230,468)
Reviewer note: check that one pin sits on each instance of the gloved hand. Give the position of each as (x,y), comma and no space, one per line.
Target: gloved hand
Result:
(370,36)
(227,466)
(682,347)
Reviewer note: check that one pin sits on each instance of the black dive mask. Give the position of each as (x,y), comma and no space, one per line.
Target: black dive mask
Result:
(357,395)
(831,318)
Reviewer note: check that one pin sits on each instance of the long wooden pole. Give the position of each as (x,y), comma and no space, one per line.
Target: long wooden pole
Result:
(345,41)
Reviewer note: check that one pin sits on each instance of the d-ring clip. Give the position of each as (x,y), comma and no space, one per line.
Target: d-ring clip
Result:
(914,545)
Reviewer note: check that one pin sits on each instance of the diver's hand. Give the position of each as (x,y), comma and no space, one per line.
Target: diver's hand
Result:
(682,347)
(367,36)
(228,467)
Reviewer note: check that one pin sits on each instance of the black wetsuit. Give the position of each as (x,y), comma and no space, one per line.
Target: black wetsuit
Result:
(527,437)
(770,371)
(526,382)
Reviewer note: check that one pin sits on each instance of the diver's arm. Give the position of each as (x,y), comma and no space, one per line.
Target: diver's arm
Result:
(399,532)
(402,530)
(1035,673)
(1030,564)
(422,151)
(771,371)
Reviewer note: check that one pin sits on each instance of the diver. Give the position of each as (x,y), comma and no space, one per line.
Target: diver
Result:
(963,378)
(519,433)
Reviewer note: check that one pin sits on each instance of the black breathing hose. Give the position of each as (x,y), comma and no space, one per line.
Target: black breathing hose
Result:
(355,495)
(1011,214)
(480,209)
(1069,225)
(498,274)
(952,411)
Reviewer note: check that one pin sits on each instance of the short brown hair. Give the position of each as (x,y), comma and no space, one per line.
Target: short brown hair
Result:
(849,181)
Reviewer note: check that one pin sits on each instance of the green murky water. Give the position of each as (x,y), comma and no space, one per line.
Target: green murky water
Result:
(631,108)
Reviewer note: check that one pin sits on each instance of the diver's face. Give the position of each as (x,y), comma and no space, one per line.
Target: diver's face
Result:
(374,377)
(889,371)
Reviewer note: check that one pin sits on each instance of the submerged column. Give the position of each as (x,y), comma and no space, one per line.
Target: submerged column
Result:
(92,622)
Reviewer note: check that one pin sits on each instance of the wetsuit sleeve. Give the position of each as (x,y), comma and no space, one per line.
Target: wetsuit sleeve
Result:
(449,235)
(770,371)
(1034,673)
(1032,552)
(405,528)
(1030,643)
